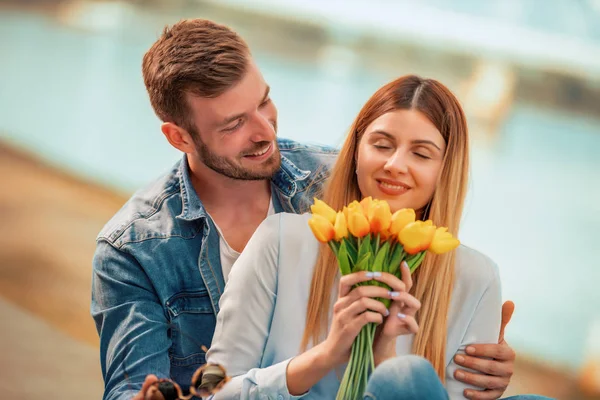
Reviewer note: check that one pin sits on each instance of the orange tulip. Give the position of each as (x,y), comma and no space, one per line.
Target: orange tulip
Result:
(400,219)
(443,241)
(380,216)
(323,209)
(321,228)
(340,227)
(385,234)
(358,224)
(416,236)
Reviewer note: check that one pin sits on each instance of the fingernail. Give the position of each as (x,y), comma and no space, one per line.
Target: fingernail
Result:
(387,312)
(376,274)
(405,264)
(394,294)
(401,316)
(369,275)
(460,375)
(459,359)
(470,350)
(468,394)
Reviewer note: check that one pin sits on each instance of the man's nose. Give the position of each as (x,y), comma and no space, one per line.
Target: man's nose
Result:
(262,129)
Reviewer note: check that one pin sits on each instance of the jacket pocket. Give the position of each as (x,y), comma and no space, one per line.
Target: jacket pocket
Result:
(192,326)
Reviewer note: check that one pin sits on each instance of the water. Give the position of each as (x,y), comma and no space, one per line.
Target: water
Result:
(77,100)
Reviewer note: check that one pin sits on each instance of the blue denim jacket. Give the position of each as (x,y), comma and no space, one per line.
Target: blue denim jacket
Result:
(157,276)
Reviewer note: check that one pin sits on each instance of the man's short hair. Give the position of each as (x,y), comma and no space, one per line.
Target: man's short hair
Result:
(194,56)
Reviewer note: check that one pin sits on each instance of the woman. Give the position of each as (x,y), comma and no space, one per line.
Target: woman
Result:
(284,330)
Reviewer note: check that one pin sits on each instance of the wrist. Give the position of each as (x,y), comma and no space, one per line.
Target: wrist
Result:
(323,358)
(306,369)
(384,349)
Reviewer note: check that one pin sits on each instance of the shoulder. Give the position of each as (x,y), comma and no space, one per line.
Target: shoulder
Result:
(148,213)
(291,146)
(307,156)
(474,269)
(292,227)
(284,230)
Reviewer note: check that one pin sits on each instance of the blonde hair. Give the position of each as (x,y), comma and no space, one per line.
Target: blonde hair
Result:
(434,280)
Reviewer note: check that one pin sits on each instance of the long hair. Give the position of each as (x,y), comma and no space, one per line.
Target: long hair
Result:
(434,280)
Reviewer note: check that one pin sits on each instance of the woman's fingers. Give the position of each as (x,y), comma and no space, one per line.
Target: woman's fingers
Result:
(406,302)
(391,280)
(362,319)
(360,306)
(406,278)
(347,282)
(409,322)
(362,291)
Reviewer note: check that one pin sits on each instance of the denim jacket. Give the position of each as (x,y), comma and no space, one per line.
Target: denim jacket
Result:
(157,276)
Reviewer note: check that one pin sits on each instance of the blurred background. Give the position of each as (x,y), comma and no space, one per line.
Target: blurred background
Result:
(78,136)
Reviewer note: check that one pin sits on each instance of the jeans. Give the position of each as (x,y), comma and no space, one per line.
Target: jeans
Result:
(412,377)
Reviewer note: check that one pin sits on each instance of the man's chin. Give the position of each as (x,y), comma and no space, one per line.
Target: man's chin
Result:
(267,168)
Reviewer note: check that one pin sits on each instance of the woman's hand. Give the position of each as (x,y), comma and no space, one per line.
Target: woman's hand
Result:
(401,320)
(354,309)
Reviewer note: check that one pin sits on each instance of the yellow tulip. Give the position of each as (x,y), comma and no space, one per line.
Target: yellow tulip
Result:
(354,206)
(321,208)
(400,219)
(358,224)
(340,227)
(416,236)
(443,241)
(380,216)
(321,228)
(366,205)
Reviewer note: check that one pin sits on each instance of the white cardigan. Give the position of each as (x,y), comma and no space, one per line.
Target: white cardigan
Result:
(263,311)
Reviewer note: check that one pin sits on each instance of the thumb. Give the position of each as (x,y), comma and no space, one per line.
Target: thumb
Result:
(507,311)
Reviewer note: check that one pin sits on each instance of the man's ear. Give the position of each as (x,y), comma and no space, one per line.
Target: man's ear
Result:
(178,137)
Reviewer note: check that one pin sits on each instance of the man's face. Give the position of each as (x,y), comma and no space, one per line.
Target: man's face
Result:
(236,131)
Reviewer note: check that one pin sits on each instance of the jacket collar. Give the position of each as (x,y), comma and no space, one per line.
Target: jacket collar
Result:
(288,179)
(191,206)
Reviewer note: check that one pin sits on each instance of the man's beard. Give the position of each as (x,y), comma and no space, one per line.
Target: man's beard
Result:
(233,169)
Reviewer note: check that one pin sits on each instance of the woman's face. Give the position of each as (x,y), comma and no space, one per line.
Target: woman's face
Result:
(400,159)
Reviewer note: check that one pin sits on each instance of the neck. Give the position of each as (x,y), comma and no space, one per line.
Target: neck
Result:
(218,191)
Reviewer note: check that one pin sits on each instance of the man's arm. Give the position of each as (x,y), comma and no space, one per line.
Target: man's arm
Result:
(495,361)
(130,321)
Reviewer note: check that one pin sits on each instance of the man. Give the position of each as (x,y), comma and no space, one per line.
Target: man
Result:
(162,261)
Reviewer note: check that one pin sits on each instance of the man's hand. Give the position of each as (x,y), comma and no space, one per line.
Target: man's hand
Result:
(497,371)
(150,379)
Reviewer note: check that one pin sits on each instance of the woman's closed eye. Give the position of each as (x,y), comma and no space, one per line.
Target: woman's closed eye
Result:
(383,145)
(379,146)
(423,152)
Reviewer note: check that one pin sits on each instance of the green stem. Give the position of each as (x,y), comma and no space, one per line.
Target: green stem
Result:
(333,245)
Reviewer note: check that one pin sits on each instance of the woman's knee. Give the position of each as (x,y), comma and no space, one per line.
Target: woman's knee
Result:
(402,368)
(405,377)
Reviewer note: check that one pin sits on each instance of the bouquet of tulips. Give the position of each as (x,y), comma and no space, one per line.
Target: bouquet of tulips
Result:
(366,236)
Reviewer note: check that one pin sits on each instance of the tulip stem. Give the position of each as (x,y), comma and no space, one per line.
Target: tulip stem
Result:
(333,246)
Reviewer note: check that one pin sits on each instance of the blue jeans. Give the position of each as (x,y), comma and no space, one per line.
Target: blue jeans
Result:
(412,377)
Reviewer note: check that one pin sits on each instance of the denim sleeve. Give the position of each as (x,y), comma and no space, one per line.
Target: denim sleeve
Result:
(130,321)
(483,327)
(244,321)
